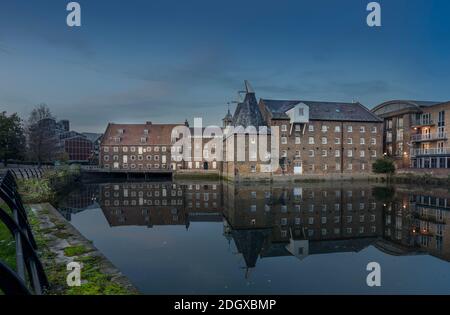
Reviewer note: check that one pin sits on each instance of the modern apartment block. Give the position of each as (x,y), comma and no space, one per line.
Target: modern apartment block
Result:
(315,138)
(416,133)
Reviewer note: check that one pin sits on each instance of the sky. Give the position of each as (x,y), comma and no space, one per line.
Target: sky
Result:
(167,61)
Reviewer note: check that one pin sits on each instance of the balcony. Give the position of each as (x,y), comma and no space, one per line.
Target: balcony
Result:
(422,122)
(430,152)
(429,137)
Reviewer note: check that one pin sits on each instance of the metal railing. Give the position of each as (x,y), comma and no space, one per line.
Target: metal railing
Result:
(429,136)
(423,122)
(27,173)
(431,151)
(29,276)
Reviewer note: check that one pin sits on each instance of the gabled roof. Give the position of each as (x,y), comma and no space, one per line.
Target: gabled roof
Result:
(92,136)
(336,111)
(158,134)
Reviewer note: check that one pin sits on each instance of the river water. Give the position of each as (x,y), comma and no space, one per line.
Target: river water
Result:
(202,237)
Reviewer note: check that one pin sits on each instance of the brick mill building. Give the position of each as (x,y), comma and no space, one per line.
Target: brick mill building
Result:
(315,138)
(137,147)
(416,134)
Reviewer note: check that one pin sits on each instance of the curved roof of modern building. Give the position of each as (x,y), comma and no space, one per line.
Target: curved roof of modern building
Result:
(394,106)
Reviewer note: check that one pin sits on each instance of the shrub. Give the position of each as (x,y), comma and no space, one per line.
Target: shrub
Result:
(383,166)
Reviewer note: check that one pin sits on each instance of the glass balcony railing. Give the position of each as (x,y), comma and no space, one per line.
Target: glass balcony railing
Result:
(430,151)
(429,137)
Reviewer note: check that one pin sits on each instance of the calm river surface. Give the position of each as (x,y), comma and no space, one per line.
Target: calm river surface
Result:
(198,237)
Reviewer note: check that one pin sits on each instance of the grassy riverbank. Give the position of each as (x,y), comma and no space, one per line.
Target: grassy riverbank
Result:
(59,243)
(7,242)
(53,184)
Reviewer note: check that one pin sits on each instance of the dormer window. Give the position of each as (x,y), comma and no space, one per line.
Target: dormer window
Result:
(145,131)
(117,139)
(143,139)
(121,131)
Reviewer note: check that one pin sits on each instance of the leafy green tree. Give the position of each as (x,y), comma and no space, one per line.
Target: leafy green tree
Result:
(383,166)
(12,139)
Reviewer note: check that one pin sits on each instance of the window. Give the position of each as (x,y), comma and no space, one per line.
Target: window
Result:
(311,140)
(149,157)
(311,153)
(297,127)
(362,129)
(337,141)
(106,158)
(349,141)
(374,153)
(337,129)
(106,149)
(297,140)
(324,128)
(163,149)
(324,153)
(143,139)
(283,127)
(373,141)
(297,154)
(301,111)
(350,153)
(363,166)
(125,149)
(253,168)
(116,149)
(337,153)
(283,140)
(311,128)
(338,166)
(362,153)
(133,149)
(374,129)
(362,141)
(349,128)
(283,153)
(350,166)
(324,140)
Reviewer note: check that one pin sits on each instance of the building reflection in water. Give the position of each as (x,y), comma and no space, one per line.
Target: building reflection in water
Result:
(271,219)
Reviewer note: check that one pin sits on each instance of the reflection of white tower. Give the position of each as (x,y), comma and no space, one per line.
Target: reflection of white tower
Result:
(298,248)
(227,232)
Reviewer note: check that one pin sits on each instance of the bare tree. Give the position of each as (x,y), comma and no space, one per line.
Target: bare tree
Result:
(41,136)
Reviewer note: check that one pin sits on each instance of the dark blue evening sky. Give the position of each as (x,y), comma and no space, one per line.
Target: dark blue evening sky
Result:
(164,61)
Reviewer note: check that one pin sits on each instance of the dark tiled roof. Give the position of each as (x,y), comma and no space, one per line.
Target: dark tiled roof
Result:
(158,134)
(322,110)
(247,113)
